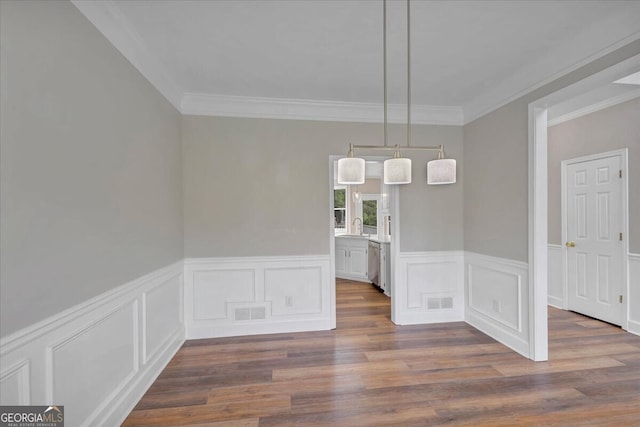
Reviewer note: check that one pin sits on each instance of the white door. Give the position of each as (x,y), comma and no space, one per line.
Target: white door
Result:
(594,224)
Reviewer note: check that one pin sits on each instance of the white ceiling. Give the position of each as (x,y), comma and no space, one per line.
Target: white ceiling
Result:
(272,57)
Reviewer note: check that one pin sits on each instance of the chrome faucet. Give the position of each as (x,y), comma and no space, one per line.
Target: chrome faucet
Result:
(354,222)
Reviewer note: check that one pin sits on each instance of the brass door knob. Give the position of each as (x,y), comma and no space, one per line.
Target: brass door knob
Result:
(571,244)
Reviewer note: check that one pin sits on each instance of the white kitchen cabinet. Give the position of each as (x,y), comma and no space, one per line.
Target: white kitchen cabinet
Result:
(351,258)
(385,268)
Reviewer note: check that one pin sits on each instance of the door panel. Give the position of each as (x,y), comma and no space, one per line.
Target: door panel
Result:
(594,219)
(341,260)
(358,262)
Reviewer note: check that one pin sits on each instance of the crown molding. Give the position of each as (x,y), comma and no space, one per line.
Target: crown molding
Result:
(304,109)
(109,20)
(594,107)
(503,94)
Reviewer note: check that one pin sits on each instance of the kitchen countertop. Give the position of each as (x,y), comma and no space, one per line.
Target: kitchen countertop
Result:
(373,238)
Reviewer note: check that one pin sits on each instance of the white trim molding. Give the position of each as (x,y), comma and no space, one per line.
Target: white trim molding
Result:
(97,358)
(106,16)
(633,301)
(257,295)
(537,233)
(555,279)
(199,104)
(610,102)
(430,287)
(509,90)
(497,299)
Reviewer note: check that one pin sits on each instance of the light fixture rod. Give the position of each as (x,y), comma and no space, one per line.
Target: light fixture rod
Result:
(384,65)
(378,147)
(408,73)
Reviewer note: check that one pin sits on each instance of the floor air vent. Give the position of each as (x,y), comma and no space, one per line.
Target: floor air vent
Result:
(434,303)
(250,313)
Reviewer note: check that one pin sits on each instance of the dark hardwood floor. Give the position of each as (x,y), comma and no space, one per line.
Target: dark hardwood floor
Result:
(370,372)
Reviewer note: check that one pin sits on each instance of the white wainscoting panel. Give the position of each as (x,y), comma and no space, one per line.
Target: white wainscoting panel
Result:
(210,300)
(555,287)
(429,287)
(257,295)
(497,299)
(99,357)
(634,294)
(14,384)
(163,318)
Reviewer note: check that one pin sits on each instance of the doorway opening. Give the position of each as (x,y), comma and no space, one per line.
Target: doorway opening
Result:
(363,234)
(538,201)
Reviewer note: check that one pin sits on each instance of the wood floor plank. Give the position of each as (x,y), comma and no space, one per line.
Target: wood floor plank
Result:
(563,365)
(370,372)
(430,376)
(368,368)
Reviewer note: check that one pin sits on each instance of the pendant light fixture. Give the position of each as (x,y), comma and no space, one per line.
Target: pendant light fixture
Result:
(397,170)
(350,169)
(441,171)
(356,197)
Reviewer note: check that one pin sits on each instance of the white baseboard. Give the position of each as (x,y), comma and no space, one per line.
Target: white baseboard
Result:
(633,324)
(99,357)
(496,297)
(555,287)
(257,295)
(429,288)
(634,327)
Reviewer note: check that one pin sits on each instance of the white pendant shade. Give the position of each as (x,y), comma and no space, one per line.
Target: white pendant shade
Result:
(397,171)
(441,171)
(351,171)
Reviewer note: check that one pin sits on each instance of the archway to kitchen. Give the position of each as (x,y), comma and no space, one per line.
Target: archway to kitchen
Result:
(363,234)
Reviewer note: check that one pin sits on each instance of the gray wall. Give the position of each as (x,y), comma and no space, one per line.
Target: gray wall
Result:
(605,130)
(495,188)
(258,187)
(496,168)
(90,183)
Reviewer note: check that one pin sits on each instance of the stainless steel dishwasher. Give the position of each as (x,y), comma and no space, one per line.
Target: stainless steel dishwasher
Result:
(373,264)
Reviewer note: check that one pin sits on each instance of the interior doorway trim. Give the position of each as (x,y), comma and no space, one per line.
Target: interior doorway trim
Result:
(538,238)
(394,210)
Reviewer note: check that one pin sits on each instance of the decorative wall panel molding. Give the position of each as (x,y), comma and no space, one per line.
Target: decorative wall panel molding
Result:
(257,295)
(497,299)
(430,287)
(99,357)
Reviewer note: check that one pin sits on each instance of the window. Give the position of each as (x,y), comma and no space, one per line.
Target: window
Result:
(370,216)
(340,209)
(370,212)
